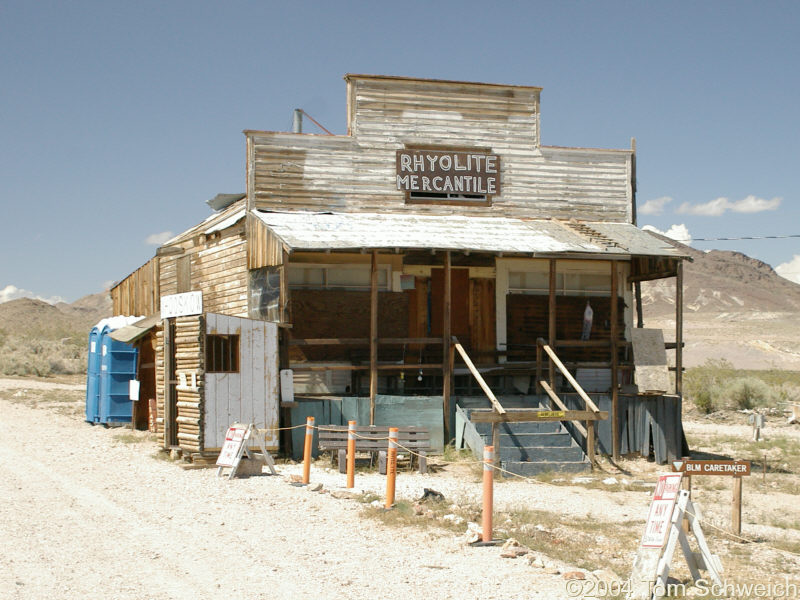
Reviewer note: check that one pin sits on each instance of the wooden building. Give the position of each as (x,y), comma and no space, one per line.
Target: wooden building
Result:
(435,260)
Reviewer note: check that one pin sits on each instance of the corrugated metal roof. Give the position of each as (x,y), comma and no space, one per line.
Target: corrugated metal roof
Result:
(225,223)
(354,231)
(132,332)
(223,201)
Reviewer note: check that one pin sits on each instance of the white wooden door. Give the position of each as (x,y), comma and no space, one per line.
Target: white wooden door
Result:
(251,394)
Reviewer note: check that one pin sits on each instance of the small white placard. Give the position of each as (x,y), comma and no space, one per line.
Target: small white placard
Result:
(287,385)
(133,389)
(181,305)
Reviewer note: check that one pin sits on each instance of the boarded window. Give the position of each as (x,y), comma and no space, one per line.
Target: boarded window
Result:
(265,294)
(222,354)
(184,268)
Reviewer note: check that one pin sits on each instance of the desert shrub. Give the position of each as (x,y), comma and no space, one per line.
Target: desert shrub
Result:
(747,393)
(23,356)
(788,393)
(703,385)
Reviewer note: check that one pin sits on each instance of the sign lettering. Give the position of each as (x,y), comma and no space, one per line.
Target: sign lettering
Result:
(444,172)
(543,414)
(181,305)
(733,468)
(658,520)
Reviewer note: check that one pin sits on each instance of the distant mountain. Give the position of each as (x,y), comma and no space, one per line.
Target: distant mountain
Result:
(37,338)
(26,316)
(735,307)
(722,281)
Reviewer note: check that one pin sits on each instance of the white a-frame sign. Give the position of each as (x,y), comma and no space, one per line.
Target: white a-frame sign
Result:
(662,535)
(235,448)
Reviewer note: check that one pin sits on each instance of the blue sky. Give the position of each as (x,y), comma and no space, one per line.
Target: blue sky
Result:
(119,119)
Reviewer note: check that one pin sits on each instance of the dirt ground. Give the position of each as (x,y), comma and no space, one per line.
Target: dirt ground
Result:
(89,512)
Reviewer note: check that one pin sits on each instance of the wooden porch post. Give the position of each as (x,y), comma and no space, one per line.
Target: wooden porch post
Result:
(447,372)
(373,337)
(637,290)
(551,322)
(679,328)
(614,363)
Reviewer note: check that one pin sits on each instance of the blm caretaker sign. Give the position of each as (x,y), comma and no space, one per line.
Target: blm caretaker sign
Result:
(445,172)
(734,468)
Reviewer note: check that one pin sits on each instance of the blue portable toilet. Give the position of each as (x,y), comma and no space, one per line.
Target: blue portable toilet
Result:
(117,368)
(93,377)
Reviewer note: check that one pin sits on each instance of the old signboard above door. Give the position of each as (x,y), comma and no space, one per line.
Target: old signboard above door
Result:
(448,176)
(181,305)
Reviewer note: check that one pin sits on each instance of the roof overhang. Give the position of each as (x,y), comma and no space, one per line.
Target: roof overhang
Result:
(327,231)
(134,331)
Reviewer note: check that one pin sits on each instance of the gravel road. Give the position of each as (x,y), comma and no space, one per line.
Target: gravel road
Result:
(88,513)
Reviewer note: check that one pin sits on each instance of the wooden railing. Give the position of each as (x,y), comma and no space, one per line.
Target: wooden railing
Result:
(590,408)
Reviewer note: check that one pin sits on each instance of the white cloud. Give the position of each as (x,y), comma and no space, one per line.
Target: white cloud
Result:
(655,206)
(156,239)
(679,233)
(108,283)
(12,292)
(719,206)
(790,270)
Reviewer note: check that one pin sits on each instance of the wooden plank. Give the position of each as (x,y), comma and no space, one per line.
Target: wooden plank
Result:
(524,416)
(614,362)
(551,320)
(637,287)
(679,329)
(362,341)
(299,368)
(554,359)
(446,344)
(557,401)
(373,336)
(271,383)
(492,398)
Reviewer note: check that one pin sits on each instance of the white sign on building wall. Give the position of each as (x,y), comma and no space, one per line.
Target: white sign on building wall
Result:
(181,305)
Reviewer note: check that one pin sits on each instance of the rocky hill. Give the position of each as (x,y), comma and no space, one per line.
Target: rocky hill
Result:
(735,307)
(40,338)
(721,281)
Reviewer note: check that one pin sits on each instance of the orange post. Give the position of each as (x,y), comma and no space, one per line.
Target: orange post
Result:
(351,454)
(488,493)
(307,449)
(391,466)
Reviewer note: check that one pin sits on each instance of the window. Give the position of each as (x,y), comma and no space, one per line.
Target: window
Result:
(265,294)
(222,354)
(568,283)
(337,277)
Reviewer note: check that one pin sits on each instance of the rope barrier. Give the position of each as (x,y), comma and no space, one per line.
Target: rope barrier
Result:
(499,469)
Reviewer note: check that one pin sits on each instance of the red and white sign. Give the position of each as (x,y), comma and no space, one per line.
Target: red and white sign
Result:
(231,449)
(660,516)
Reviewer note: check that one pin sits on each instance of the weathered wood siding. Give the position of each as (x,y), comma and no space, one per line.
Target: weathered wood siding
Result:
(265,249)
(138,293)
(160,381)
(357,172)
(218,268)
(251,395)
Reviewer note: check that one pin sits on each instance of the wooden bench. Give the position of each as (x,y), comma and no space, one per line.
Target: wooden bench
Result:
(374,439)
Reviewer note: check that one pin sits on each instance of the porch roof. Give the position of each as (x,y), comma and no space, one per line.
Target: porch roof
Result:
(320,231)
